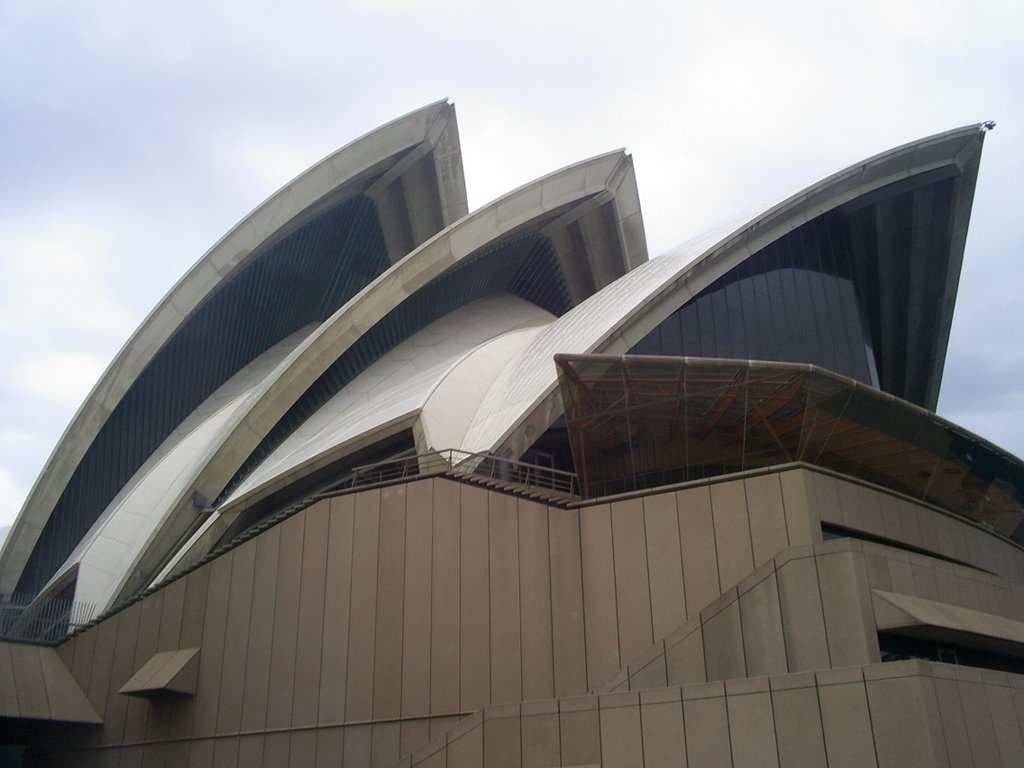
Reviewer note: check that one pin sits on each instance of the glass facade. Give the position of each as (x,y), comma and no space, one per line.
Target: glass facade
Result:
(793,301)
(641,422)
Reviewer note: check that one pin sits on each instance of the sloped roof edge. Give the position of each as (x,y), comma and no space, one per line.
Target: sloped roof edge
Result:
(276,214)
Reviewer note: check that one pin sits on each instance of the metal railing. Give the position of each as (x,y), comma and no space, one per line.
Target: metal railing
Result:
(43,620)
(481,466)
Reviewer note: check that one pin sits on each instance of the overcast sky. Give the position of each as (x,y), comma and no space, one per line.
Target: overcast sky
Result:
(133,135)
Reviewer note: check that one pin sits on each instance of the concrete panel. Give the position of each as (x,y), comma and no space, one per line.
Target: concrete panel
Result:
(849,623)
(445,600)
(387,656)
(436,760)
(540,738)
(475,640)
(276,747)
(707,732)
(503,563)
(502,741)
(732,532)
(27,676)
(94,660)
(358,745)
(919,526)
(121,669)
(849,742)
(85,652)
(621,742)
(933,531)
(632,584)
(337,603)
(8,695)
(752,730)
(684,661)
(145,647)
(414,734)
(958,746)
(416,613)
(170,616)
(891,515)
(250,750)
(767,517)
(200,754)
(535,594)
(803,622)
(1006,724)
(826,497)
(225,753)
(955,534)
(803,526)
(877,568)
(649,673)
(157,756)
(212,656)
(664,560)
(567,619)
(599,602)
(1017,692)
(664,739)
(330,747)
(924,581)
(236,639)
(850,512)
(723,644)
(193,615)
(363,616)
(286,622)
(312,591)
(901,575)
(258,655)
(879,514)
(697,540)
(798,728)
(191,636)
(580,732)
(131,757)
(900,724)
(467,750)
(764,645)
(384,744)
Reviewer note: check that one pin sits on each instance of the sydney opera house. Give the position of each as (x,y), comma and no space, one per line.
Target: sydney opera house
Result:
(385,482)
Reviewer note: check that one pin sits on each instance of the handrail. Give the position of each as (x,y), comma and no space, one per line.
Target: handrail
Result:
(483,466)
(41,620)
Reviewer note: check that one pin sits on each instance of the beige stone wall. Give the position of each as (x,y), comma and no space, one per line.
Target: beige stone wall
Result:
(862,507)
(379,618)
(673,553)
(809,609)
(903,714)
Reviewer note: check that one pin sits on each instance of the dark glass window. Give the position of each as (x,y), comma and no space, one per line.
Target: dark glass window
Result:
(895,647)
(793,301)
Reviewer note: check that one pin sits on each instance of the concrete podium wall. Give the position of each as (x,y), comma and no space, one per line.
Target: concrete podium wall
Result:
(367,625)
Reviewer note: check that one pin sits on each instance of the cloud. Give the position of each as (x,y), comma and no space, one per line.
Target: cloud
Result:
(12,496)
(64,379)
(132,136)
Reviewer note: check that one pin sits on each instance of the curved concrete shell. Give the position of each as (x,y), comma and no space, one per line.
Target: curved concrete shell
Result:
(353,519)
(523,401)
(409,175)
(549,205)
(291,410)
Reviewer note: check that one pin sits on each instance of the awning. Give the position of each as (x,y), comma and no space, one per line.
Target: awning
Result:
(638,421)
(35,685)
(168,673)
(920,617)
